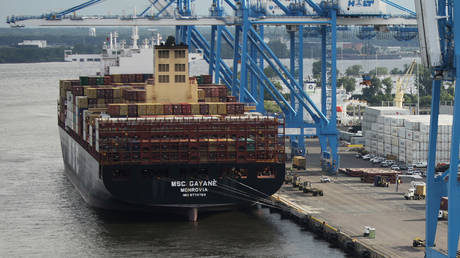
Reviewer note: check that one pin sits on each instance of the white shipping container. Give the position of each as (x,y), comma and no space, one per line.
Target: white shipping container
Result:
(402,132)
(409,134)
(394,150)
(394,140)
(402,142)
(387,129)
(416,136)
(394,131)
(374,143)
(402,158)
(424,128)
(387,139)
(387,147)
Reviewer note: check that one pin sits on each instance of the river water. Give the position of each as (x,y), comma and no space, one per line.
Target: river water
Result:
(42,215)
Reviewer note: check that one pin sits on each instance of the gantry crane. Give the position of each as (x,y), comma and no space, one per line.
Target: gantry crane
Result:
(439,29)
(402,83)
(252,54)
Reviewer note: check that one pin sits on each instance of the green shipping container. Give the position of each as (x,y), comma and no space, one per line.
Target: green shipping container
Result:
(84,80)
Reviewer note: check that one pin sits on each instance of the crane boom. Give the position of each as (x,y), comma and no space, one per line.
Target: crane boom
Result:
(401,85)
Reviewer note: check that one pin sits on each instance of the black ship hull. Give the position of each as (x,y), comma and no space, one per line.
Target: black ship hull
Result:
(166,187)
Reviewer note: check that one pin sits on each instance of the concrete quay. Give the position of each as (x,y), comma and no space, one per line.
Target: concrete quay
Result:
(348,205)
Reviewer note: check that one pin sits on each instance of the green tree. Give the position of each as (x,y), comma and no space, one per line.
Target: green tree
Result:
(379,71)
(423,80)
(269,72)
(388,83)
(349,83)
(316,70)
(355,70)
(425,101)
(395,71)
(279,48)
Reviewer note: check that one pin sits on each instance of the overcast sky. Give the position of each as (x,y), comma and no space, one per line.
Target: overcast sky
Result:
(36,7)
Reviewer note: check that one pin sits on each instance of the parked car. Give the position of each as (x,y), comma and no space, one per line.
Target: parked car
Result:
(402,167)
(358,156)
(385,164)
(324,179)
(395,167)
(366,157)
(421,164)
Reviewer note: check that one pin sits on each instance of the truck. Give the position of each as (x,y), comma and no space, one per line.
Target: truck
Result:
(417,191)
(299,162)
(381,181)
(308,188)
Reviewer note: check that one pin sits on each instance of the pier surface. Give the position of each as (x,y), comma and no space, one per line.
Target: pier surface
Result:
(350,205)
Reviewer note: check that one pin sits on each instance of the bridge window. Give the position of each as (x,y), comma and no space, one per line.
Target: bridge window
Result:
(179,54)
(179,78)
(179,67)
(163,67)
(163,78)
(163,53)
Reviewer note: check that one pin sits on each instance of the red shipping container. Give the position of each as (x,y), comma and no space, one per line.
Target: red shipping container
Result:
(107,80)
(186,109)
(207,92)
(214,92)
(239,108)
(167,109)
(113,110)
(177,109)
(124,78)
(74,83)
(444,203)
(204,109)
(230,108)
(222,91)
(140,95)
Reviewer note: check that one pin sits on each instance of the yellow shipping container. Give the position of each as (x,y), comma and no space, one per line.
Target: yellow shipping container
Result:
(215,99)
(91,93)
(195,108)
(208,99)
(117,100)
(117,93)
(123,109)
(213,108)
(201,94)
(65,83)
(82,101)
(158,109)
(100,101)
(142,109)
(221,108)
(116,78)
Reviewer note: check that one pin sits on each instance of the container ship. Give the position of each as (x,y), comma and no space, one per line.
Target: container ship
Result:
(166,141)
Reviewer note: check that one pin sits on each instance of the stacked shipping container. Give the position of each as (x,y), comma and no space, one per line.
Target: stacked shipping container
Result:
(119,123)
(392,132)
